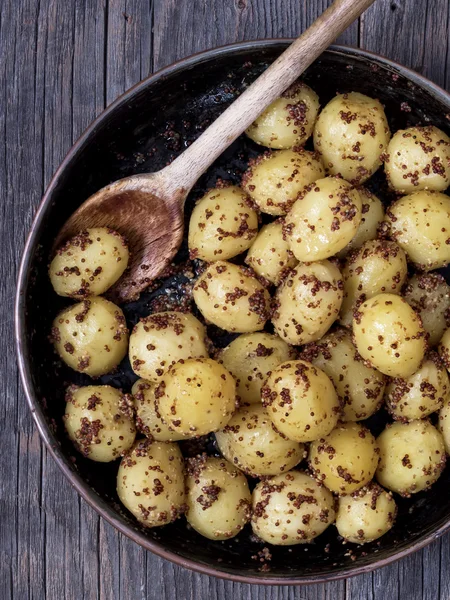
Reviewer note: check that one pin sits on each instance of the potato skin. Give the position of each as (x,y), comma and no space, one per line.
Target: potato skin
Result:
(291,509)
(444,349)
(412,457)
(418,158)
(89,263)
(253,444)
(99,421)
(163,338)
(308,302)
(250,358)
(289,120)
(150,482)
(232,298)
(420,224)
(389,334)
(91,336)
(444,425)
(218,498)
(274,180)
(222,225)
(301,401)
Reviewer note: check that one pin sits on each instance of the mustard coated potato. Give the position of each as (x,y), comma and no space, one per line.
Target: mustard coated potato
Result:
(444,424)
(150,482)
(418,158)
(253,444)
(218,498)
(389,334)
(163,338)
(291,509)
(289,120)
(274,180)
(352,134)
(232,298)
(346,459)
(412,457)
(91,336)
(99,421)
(420,224)
(301,401)
(444,349)
(323,220)
(250,358)
(308,302)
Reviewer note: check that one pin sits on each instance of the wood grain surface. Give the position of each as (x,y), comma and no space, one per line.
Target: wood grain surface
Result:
(61,63)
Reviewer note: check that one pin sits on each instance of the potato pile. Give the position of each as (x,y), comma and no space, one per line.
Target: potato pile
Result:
(334,309)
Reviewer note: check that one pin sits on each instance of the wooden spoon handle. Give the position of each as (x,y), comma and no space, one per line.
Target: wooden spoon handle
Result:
(193,162)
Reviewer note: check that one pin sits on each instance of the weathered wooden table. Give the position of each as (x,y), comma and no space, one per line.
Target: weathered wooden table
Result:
(61,63)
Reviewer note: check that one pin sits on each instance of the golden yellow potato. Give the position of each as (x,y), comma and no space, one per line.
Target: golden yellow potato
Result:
(250,358)
(289,120)
(274,180)
(301,401)
(91,336)
(389,334)
(150,482)
(252,443)
(99,420)
(372,215)
(269,255)
(196,396)
(444,349)
(323,220)
(378,266)
(420,224)
(161,339)
(232,298)
(352,134)
(360,387)
(218,498)
(291,509)
(444,424)
(346,459)
(308,302)
(418,158)
(412,457)
(222,225)
(365,515)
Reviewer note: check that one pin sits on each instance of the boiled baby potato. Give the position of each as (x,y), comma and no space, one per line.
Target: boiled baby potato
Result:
(429,296)
(444,349)
(252,443)
(389,334)
(269,255)
(222,225)
(150,482)
(89,263)
(274,180)
(291,509)
(444,424)
(378,266)
(232,298)
(289,120)
(412,457)
(420,224)
(308,302)
(352,134)
(365,515)
(161,339)
(420,394)
(360,387)
(418,158)
(148,419)
(323,220)
(346,459)
(250,358)
(372,215)
(218,498)
(100,422)
(301,401)
(196,396)
(91,336)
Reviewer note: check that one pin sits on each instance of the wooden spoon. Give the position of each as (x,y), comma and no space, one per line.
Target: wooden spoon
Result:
(148,208)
